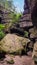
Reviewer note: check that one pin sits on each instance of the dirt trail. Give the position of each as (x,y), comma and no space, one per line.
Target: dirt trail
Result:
(20,60)
(24,60)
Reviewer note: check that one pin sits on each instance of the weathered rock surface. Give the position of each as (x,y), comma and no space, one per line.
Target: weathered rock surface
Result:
(9,59)
(34,55)
(13,43)
(33,33)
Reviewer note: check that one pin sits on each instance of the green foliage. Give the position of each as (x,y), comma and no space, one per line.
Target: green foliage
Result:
(16,17)
(7,4)
(2,26)
(2,34)
(26,33)
(13,14)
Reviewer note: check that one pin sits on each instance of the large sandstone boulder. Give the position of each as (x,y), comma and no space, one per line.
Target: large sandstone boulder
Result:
(34,55)
(13,43)
(33,32)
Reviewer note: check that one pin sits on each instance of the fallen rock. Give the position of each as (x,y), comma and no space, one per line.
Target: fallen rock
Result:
(12,43)
(34,54)
(33,32)
(9,59)
(29,53)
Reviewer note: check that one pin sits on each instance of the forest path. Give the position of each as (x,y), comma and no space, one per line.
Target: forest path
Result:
(20,60)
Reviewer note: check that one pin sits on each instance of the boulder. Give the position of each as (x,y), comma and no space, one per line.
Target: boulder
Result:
(34,55)
(12,43)
(33,33)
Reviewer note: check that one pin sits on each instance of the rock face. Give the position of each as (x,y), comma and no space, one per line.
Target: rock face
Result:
(13,43)
(4,15)
(25,20)
(34,15)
